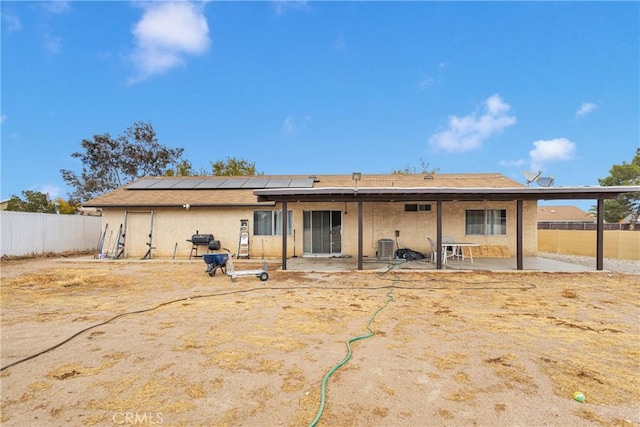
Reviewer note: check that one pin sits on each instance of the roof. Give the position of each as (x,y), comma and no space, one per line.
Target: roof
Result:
(261,190)
(563,214)
(239,191)
(122,197)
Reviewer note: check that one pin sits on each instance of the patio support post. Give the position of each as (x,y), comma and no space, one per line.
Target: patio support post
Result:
(600,236)
(360,232)
(519,209)
(439,234)
(284,235)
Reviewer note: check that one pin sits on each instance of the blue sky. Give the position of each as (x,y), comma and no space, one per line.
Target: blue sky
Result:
(325,87)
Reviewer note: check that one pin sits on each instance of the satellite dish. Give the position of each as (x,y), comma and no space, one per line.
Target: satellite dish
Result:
(531,176)
(543,181)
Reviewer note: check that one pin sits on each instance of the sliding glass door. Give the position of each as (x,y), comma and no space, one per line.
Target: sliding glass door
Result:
(322,232)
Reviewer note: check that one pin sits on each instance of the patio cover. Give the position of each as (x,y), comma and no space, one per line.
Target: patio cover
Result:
(439,195)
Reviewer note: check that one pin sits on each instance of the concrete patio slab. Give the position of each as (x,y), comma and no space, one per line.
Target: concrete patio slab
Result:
(333,264)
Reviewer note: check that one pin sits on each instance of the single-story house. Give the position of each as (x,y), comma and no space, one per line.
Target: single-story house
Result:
(330,215)
(626,219)
(564,214)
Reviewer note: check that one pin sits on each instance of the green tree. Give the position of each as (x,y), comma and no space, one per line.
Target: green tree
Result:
(424,169)
(234,167)
(108,163)
(34,201)
(629,203)
(66,207)
(184,168)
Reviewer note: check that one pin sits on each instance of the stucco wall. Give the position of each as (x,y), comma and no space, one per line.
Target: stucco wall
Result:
(172,226)
(621,244)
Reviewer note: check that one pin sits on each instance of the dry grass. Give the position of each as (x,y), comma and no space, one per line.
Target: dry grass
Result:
(479,336)
(567,293)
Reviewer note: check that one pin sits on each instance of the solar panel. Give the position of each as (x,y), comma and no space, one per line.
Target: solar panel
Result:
(301,183)
(233,183)
(278,183)
(164,184)
(187,184)
(143,184)
(255,183)
(209,184)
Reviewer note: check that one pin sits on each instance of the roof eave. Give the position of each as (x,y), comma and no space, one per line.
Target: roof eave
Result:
(441,193)
(174,205)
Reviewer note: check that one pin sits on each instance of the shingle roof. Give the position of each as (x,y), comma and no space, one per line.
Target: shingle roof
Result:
(563,214)
(124,197)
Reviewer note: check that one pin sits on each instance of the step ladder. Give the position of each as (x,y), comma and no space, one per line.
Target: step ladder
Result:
(150,242)
(120,241)
(243,240)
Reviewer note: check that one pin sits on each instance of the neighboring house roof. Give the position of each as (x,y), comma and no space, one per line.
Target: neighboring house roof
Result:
(563,214)
(239,191)
(626,219)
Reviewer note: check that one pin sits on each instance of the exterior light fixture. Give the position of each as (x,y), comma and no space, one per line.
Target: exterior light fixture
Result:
(356,176)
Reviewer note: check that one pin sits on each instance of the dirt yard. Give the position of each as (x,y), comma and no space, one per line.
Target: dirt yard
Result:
(162,343)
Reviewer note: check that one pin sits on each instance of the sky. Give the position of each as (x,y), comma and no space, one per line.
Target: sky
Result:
(311,87)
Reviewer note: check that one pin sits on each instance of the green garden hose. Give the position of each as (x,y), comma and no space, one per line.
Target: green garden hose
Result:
(350,352)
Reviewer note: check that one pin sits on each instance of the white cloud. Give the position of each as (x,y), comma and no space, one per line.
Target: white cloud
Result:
(290,126)
(52,44)
(11,23)
(166,33)
(52,190)
(469,132)
(513,163)
(426,83)
(552,150)
(283,6)
(56,7)
(586,108)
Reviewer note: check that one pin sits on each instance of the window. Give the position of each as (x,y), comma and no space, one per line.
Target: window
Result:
(269,223)
(486,221)
(417,208)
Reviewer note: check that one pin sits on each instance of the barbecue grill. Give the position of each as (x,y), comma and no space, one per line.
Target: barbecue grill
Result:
(198,240)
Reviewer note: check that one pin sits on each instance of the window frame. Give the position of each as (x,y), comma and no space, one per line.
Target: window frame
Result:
(275,223)
(493,222)
(417,207)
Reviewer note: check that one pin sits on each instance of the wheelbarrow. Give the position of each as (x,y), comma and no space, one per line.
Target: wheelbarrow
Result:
(215,262)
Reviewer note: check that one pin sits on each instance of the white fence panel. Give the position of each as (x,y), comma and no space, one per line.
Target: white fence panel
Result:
(27,233)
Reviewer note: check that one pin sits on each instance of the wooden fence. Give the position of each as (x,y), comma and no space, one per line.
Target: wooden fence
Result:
(554,225)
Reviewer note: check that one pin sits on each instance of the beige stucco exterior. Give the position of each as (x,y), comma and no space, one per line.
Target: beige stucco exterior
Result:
(172,227)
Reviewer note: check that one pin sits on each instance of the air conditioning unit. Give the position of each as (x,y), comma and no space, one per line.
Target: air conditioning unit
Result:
(385,249)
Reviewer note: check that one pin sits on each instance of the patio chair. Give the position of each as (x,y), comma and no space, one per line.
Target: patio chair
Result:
(434,251)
